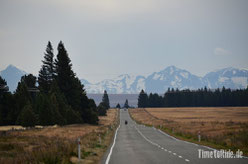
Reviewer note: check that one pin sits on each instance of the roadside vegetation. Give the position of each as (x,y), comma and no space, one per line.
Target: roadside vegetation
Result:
(41,121)
(58,144)
(219,127)
(56,96)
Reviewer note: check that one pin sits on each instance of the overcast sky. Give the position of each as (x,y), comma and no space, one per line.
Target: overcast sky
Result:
(105,38)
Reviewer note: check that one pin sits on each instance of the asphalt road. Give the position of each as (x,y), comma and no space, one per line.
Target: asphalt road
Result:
(138,144)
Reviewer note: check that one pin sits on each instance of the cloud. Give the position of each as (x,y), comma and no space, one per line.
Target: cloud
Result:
(1,32)
(221,51)
(104,9)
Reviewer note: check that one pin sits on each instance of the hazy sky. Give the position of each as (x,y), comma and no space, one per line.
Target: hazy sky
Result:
(105,38)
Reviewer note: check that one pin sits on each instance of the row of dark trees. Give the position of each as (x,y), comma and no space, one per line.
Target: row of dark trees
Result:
(199,98)
(59,98)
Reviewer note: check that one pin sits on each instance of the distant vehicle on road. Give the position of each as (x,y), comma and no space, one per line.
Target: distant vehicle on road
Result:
(125,122)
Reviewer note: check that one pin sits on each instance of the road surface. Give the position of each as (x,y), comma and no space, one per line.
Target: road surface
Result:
(138,144)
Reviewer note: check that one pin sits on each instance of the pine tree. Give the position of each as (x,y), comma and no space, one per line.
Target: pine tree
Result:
(22,97)
(118,106)
(29,80)
(57,116)
(7,104)
(143,99)
(44,110)
(68,115)
(102,111)
(46,73)
(60,101)
(92,105)
(73,117)
(105,99)
(27,118)
(65,77)
(126,104)
(71,87)
(3,86)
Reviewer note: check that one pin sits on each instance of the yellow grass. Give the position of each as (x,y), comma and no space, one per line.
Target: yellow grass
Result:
(222,114)
(11,127)
(43,144)
(223,126)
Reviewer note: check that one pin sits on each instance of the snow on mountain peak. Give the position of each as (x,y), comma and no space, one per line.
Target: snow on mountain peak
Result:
(172,77)
(156,82)
(185,74)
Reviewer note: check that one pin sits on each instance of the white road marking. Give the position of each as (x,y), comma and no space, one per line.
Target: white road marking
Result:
(209,148)
(110,152)
(190,142)
(168,135)
(155,144)
(180,156)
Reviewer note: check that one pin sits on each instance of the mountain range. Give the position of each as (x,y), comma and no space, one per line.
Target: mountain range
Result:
(158,82)
(171,77)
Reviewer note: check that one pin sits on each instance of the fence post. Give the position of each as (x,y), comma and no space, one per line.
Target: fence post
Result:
(100,141)
(199,136)
(79,150)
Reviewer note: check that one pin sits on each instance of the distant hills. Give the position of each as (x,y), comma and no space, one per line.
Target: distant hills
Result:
(158,82)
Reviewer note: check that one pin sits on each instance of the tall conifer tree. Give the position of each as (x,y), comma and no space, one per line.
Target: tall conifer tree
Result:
(46,73)
(126,104)
(71,87)
(65,77)
(143,99)
(105,100)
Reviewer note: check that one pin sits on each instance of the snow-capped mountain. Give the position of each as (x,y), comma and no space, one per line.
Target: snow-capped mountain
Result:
(172,77)
(158,82)
(122,84)
(228,77)
(12,75)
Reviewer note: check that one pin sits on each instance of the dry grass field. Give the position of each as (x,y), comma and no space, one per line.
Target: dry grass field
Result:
(222,127)
(57,144)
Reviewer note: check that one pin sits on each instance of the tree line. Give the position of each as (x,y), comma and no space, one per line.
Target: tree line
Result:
(198,98)
(55,97)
